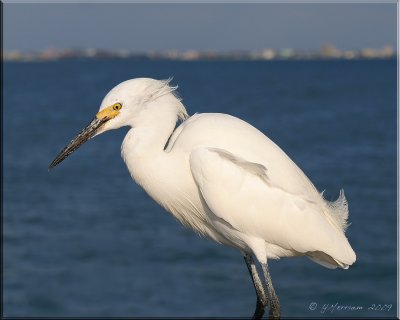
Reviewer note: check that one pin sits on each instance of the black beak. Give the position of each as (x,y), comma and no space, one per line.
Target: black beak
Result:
(88,132)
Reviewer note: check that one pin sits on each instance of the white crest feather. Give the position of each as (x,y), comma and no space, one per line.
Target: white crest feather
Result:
(165,88)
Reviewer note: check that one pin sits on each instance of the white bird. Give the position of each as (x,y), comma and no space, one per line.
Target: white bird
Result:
(223,178)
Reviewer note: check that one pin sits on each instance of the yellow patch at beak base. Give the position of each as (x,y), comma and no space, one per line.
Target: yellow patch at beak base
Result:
(108,113)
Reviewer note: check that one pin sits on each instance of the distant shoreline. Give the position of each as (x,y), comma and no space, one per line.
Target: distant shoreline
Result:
(197,60)
(327,52)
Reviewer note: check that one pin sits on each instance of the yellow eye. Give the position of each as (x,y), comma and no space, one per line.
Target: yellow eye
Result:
(117,106)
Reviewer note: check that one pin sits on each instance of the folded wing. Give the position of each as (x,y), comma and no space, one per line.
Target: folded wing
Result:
(241,193)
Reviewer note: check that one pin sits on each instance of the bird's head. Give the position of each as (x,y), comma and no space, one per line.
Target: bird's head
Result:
(125,105)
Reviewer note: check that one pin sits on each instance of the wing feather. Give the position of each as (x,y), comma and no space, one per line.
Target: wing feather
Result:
(241,193)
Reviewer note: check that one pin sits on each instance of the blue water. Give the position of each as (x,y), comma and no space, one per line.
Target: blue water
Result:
(84,240)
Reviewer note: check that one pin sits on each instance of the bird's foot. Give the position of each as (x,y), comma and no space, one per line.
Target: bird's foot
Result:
(260,308)
(275,311)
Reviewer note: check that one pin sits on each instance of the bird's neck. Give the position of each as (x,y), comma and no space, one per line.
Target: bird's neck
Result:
(143,146)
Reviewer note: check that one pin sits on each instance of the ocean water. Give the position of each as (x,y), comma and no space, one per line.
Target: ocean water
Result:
(84,240)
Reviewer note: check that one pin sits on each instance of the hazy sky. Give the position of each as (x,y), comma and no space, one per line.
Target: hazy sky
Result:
(144,27)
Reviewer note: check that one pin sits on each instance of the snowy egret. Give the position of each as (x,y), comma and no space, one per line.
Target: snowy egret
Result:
(221,177)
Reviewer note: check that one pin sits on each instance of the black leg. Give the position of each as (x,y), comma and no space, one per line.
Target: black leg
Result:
(275,309)
(262,300)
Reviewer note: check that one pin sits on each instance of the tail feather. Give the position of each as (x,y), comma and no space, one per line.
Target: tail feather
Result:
(343,255)
(326,260)
(339,210)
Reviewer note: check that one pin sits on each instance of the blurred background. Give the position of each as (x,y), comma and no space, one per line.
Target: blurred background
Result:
(84,240)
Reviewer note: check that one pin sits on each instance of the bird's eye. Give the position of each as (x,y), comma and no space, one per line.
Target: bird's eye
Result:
(117,106)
